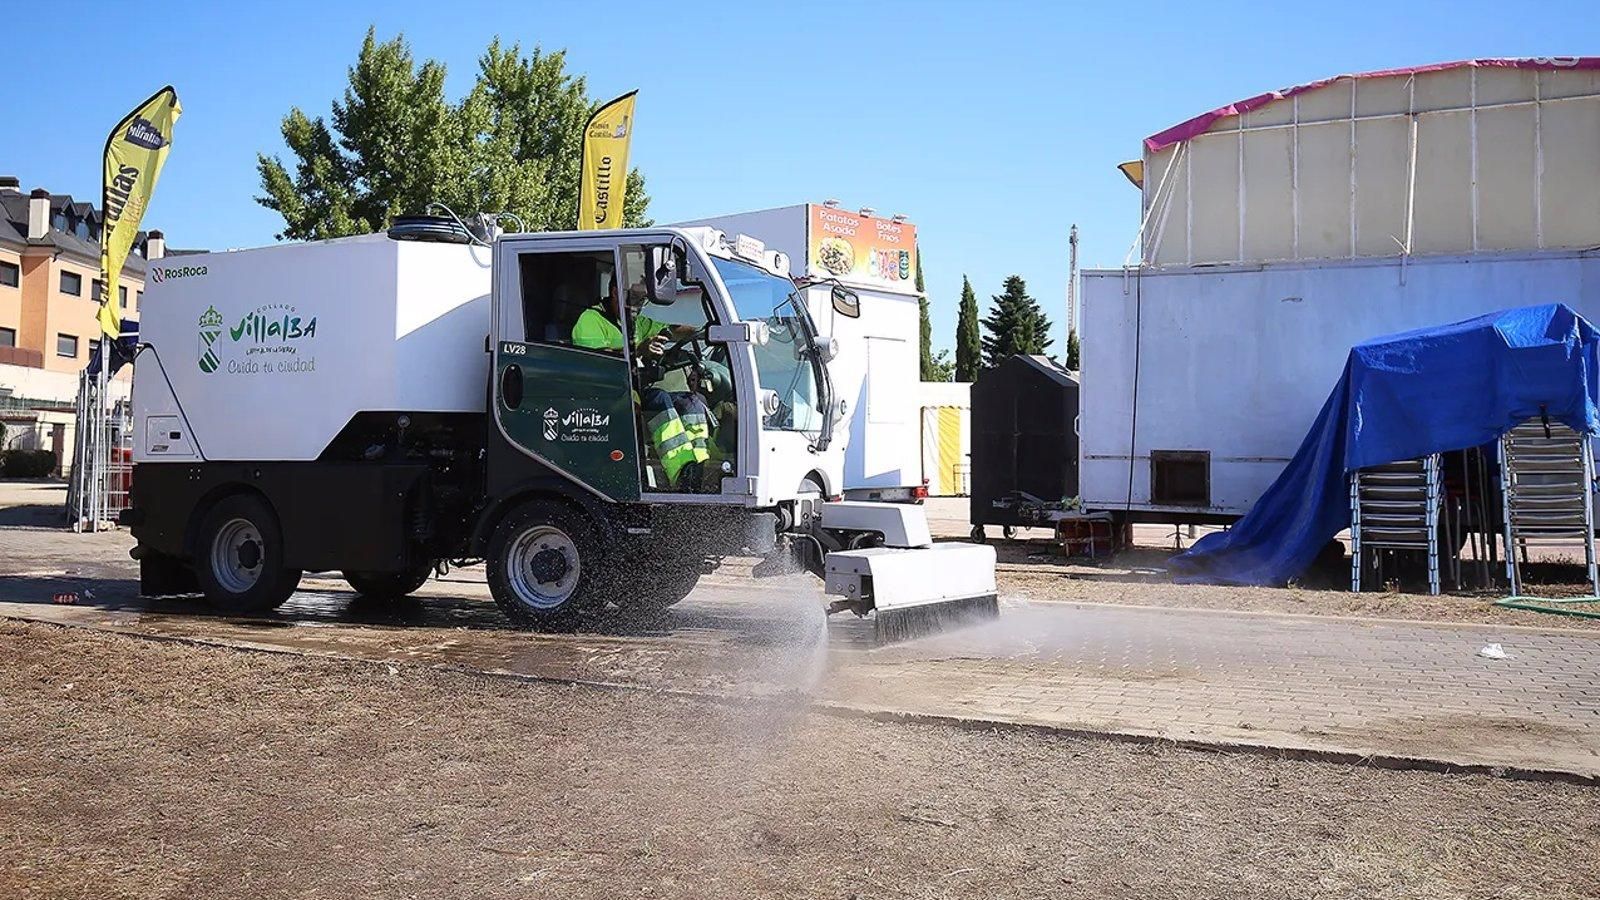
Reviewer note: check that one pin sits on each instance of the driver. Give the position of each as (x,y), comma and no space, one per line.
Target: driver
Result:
(679,425)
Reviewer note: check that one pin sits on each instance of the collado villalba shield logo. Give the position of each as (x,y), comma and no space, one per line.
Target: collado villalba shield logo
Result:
(210,330)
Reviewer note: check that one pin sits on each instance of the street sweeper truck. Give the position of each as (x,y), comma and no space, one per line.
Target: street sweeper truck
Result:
(599,417)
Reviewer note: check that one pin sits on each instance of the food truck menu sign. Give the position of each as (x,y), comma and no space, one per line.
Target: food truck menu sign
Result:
(863,250)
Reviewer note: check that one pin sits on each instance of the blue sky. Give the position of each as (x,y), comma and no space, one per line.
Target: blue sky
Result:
(993,126)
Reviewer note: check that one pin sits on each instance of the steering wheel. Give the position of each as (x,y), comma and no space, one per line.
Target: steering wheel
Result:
(689,342)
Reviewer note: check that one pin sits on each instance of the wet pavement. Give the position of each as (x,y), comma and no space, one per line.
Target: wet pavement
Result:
(1383,688)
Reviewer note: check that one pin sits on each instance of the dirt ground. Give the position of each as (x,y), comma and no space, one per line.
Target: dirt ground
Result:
(138,769)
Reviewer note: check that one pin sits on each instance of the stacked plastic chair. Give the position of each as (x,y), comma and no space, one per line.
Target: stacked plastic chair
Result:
(1396,507)
(1546,470)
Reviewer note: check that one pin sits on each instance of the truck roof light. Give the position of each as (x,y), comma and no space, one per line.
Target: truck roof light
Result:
(749,248)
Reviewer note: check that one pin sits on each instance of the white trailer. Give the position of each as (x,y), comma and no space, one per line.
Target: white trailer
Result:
(876,372)
(1281,229)
(1198,384)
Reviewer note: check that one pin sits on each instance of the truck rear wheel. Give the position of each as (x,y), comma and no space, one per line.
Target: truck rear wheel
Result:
(542,565)
(388,585)
(239,556)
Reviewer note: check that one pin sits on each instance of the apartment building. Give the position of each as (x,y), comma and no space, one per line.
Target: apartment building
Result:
(50,288)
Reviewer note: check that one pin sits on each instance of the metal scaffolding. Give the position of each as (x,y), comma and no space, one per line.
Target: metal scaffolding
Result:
(102,458)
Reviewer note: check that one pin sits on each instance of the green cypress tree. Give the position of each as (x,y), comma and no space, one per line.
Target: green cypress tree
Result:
(1015,324)
(1073,351)
(929,370)
(969,347)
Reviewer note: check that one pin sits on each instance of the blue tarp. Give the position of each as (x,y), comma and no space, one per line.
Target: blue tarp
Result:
(1401,397)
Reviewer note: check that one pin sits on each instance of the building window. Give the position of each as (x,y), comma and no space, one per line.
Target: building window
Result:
(67,345)
(138,298)
(122,296)
(8,337)
(97,290)
(72,283)
(94,347)
(10,275)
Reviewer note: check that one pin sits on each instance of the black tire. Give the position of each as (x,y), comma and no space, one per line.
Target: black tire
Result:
(537,548)
(388,585)
(977,535)
(238,556)
(1009,532)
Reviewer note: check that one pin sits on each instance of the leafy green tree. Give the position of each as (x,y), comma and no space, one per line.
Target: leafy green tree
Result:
(1073,351)
(1015,324)
(394,144)
(927,324)
(969,349)
(940,368)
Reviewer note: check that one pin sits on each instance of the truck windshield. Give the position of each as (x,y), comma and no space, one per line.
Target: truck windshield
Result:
(789,363)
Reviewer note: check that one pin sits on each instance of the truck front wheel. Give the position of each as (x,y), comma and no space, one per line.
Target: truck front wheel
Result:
(239,556)
(542,565)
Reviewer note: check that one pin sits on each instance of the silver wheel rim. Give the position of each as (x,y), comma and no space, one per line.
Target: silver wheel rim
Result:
(237,554)
(543,567)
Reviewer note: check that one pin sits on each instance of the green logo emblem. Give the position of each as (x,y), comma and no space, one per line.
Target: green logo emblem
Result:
(210,330)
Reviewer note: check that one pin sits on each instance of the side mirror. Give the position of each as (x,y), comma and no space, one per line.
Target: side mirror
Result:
(846,302)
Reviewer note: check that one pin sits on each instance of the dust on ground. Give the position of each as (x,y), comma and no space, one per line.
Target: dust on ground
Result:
(142,769)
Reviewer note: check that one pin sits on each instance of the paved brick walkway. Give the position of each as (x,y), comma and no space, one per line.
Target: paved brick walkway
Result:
(1388,688)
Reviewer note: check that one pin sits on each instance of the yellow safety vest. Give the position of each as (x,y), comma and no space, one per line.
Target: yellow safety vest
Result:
(595,331)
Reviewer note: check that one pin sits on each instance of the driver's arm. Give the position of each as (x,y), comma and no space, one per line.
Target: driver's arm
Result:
(651,337)
(646,329)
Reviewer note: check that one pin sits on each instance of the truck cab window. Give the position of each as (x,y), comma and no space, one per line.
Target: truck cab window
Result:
(557,288)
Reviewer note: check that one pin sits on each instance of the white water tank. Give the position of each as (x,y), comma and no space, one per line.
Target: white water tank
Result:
(266,354)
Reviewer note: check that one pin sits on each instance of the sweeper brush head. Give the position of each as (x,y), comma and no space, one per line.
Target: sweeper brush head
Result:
(903,623)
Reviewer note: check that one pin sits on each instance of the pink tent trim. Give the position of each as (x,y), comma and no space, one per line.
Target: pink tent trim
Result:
(1199,124)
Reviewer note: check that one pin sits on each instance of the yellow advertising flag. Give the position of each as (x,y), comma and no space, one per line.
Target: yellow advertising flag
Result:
(135,152)
(605,164)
